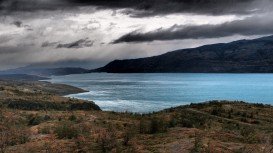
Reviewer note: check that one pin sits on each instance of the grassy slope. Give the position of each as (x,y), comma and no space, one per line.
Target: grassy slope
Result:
(208,127)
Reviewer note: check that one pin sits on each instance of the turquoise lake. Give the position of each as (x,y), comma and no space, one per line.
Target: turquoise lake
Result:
(147,92)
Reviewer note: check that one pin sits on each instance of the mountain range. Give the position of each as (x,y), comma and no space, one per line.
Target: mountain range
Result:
(37,71)
(243,56)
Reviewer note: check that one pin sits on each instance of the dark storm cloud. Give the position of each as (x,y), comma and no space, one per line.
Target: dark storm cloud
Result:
(8,6)
(18,23)
(156,7)
(82,43)
(49,44)
(247,27)
(144,7)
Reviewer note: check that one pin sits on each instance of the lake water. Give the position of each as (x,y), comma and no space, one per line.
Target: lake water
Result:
(152,92)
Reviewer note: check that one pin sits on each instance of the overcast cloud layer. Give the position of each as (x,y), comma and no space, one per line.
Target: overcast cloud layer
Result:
(90,33)
(139,7)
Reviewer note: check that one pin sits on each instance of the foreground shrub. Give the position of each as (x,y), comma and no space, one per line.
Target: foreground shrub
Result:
(152,126)
(248,134)
(107,141)
(35,120)
(10,136)
(45,130)
(198,144)
(72,118)
(66,130)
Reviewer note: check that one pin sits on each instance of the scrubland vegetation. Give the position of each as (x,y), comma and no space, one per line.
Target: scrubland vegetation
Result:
(70,125)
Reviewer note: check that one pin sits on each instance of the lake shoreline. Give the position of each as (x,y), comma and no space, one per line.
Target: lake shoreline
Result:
(130,92)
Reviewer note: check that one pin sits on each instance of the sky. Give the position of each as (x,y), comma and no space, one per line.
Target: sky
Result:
(91,33)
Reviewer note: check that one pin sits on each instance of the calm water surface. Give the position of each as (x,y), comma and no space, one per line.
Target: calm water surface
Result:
(152,92)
